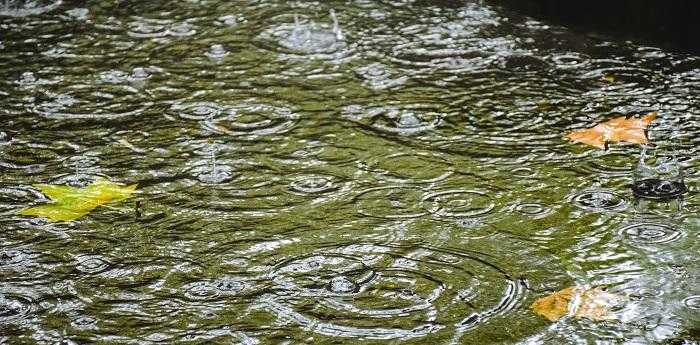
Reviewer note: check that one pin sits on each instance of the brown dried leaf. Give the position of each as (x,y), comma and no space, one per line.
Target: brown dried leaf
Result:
(579,302)
(619,129)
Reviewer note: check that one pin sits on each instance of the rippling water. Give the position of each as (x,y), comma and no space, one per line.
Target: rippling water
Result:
(346,172)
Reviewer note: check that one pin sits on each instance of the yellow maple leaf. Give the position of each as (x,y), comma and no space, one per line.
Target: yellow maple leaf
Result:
(70,203)
(619,129)
(579,302)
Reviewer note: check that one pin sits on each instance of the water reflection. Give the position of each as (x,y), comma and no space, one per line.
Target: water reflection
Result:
(388,171)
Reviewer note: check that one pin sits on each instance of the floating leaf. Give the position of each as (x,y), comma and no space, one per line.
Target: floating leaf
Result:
(579,302)
(621,128)
(608,78)
(69,203)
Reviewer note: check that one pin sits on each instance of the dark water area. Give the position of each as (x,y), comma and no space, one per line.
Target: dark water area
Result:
(671,24)
(339,172)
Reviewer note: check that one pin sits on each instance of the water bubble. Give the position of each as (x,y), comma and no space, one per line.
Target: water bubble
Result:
(181,30)
(139,76)
(651,233)
(319,274)
(469,223)
(458,203)
(217,52)
(227,20)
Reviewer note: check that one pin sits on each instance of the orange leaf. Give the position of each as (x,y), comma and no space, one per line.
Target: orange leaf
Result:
(555,305)
(579,302)
(619,129)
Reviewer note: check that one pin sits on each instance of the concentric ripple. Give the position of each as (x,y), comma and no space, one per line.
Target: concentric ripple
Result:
(413,167)
(397,293)
(408,120)
(379,77)
(28,8)
(213,289)
(201,291)
(458,203)
(390,202)
(9,257)
(323,274)
(305,38)
(14,307)
(314,185)
(84,323)
(532,209)
(658,189)
(599,200)
(14,198)
(652,233)
(95,105)
(92,264)
(692,302)
(248,119)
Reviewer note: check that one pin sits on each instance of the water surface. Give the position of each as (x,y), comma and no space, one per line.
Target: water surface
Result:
(335,172)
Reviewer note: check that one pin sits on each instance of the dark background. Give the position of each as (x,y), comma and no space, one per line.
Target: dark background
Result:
(671,23)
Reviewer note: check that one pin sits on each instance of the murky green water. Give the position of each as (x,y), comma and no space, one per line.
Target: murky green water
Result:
(399,177)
